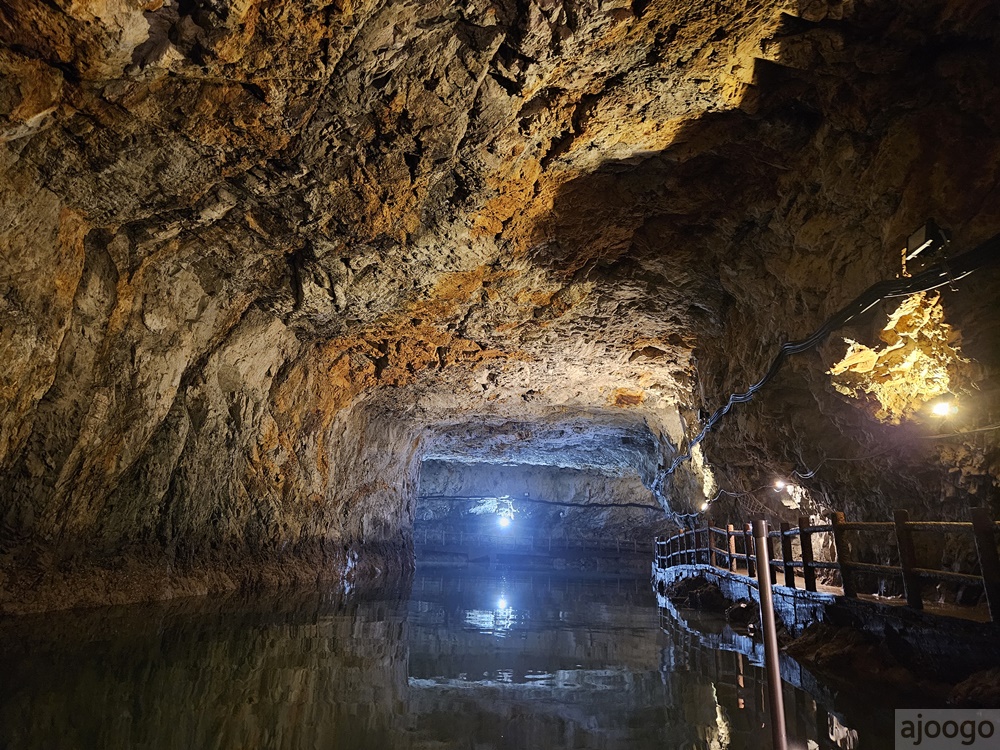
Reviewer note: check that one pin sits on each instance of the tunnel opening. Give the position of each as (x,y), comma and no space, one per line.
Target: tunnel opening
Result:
(565,491)
(534,516)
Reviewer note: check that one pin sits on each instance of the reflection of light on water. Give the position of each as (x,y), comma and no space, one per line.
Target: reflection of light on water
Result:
(496,621)
(583,681)
(721,739)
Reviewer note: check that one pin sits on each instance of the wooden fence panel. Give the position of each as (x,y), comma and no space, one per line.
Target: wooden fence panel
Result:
(786,554)
(908,559)
(989,562)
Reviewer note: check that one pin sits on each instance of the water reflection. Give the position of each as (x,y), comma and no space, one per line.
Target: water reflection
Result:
(462,661)
(703,644)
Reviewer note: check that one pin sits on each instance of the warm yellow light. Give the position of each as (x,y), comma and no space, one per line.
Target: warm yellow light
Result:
(704,506)
(779,485)
(944,408)
(920,362)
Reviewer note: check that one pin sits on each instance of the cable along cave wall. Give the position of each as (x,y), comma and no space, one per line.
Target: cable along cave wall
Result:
(259,258)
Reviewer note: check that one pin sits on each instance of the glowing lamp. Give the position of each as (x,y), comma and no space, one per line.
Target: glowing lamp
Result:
(504,522)
(501,603)
(704,506)
(779,485)
(944,408)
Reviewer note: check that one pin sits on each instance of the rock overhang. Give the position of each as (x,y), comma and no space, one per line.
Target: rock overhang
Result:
(588,441)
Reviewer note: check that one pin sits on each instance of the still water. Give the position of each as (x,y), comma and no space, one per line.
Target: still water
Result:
(461,661)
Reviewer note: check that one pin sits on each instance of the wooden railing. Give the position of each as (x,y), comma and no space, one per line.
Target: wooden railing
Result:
(698,547)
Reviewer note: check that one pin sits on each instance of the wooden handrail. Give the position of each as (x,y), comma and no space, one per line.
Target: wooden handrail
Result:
(696,546)
(866,526)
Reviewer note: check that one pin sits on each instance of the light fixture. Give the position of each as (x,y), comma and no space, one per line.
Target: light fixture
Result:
(504,522)
(944,408)
(704,505)
(779,485)
(501,602)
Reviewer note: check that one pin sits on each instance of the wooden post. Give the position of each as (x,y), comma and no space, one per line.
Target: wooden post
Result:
(989,563)
(805,540)
(769,543)
(843,557)
(748,548)
(731,546)
(786,554)
(907,559)
(713,558)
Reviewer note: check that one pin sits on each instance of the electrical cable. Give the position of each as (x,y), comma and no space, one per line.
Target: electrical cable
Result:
(948,272)
(810,473)
(987,428)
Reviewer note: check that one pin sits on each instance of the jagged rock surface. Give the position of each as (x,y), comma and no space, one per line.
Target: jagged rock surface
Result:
(261,258)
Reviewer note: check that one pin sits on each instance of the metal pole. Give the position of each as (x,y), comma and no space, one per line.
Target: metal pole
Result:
(776,701)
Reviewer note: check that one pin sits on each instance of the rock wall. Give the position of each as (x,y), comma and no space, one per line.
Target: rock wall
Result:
(261,258)
(546,500)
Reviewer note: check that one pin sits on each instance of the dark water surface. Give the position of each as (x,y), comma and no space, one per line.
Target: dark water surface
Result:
(464,661)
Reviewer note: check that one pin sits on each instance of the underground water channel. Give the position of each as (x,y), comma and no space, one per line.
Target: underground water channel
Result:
(505,655)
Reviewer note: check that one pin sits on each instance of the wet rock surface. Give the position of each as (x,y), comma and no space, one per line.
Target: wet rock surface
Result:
(698,593)
(852,657)
(260,259)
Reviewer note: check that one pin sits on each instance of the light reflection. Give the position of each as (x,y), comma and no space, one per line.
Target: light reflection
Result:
(497,621)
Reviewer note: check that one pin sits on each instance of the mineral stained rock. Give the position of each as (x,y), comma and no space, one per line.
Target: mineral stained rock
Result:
(261,259)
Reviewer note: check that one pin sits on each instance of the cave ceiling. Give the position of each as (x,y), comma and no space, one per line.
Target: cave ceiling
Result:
(496,221)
